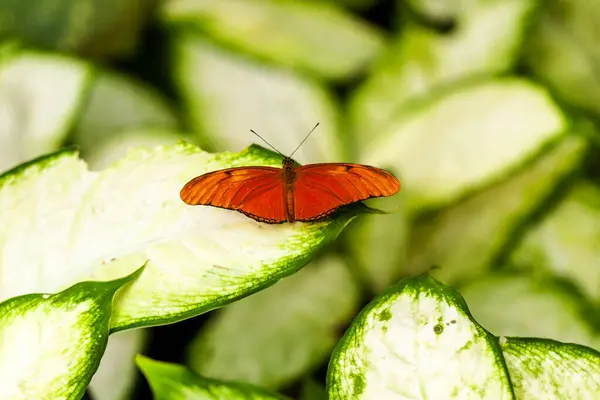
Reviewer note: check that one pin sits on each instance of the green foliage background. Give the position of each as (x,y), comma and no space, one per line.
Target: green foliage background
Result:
(509,216)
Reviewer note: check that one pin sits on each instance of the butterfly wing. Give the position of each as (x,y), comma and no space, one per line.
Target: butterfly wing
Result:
(320,189)
(258,192)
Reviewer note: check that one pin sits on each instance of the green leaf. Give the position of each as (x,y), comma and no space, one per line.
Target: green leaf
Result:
(417,340)
(548,369)
(94,27)
(101,225)
(441,157)
(313,36)
(173,382)
(281,333)
(562,49)
(117,104)
(466,239)
(52,343)
(486,41)
(35,120)
(506,304)
(226,95)
(565,242)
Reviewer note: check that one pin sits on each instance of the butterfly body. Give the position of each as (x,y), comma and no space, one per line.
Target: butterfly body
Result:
(288,194)
(289,177)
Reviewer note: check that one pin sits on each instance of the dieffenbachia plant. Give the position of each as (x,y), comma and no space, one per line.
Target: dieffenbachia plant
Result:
(63,225)
(175,382)
(419,340)
(73,243)
(51,344)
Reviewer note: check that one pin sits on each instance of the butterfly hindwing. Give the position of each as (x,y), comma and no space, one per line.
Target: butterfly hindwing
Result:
(320,189)
(258,192)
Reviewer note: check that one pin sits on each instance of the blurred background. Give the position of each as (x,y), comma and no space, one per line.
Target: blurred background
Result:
(487,111)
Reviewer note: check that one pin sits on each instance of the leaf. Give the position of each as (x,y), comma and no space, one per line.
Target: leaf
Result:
(114,147)
(465,240)
(90,27)
(172,382)
(440,157)
(506,306)
(276,336)
(101,225)
(312,36)
(226,95)
(379,244)
(51,344)
(422,63)
(562,50)
(118,28)
(549,369)
(564,243)
(117,104)
(417,340)
(34,120)
(441,11)
(116,376)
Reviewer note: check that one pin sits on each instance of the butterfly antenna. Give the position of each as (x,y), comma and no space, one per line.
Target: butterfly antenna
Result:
(263,139)
(301,143)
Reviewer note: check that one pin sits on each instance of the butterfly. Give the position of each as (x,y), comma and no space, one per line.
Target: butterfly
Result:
(291,193)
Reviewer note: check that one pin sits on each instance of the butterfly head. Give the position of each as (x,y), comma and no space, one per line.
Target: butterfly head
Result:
(287,163)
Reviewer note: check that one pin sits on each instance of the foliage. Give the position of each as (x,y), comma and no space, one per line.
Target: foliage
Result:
(482,281)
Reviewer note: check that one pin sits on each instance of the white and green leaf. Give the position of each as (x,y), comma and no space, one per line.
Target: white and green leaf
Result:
(441,11)
(40,95)
(102,225)
(565,242)
(313,36)
(99,28)
(173,382)
(467,138)
(288,329)
(226,95)
(486,41)
(379,245)
(466,239)
(562,50)
(505,304)
(117,104)
(417,340)
(51,344)
(549,369)
(115,146)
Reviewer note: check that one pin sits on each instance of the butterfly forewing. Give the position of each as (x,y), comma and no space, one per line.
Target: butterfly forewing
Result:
(258,192)
(320,189)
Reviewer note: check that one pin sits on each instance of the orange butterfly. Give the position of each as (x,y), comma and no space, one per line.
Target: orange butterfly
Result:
(276,195)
